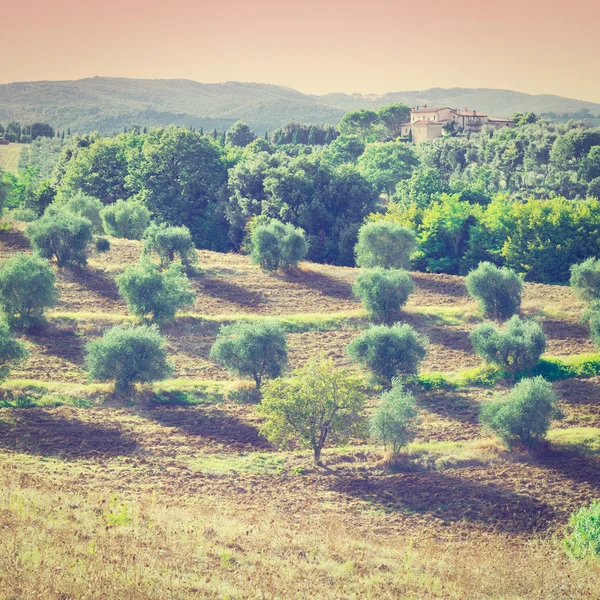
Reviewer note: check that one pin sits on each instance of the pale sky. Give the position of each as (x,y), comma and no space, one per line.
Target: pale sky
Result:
(535,46)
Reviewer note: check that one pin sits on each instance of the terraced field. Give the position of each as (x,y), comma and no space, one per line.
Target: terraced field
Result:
(101,497)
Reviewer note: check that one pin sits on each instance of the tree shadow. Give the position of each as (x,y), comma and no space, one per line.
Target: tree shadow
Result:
(38,432)
(325,284)
(450,499)
(59,342)
(454,405)
(93,280)
(440,284)
(221,288)
(573,465)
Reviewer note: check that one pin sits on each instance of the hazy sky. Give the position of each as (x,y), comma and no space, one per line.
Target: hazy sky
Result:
(536,46)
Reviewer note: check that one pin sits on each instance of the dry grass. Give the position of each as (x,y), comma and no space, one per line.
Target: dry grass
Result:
(9,157)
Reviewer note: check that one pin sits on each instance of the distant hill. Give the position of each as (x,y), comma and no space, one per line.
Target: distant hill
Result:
(110,104)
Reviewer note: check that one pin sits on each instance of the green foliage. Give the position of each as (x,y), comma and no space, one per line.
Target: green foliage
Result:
(393,422)
(497,290)
(12,352)
(362,123)
(583,536)
(25,215)
(87,207)
(239,134)
(388,351)
(128,355)
(150,291)
(392,117)
(169,243)
(585,279)
(256,350)
(27,288)
(277,245)
(384,244)
(102,245)
(516,347)
(345,149)
(524,415)
(61,235)
(383,292)
(125,219)
(318,404)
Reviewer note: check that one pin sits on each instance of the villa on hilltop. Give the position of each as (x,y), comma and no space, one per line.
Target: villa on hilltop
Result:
(427,124)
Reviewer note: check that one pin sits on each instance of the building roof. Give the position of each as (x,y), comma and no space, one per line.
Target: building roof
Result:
(426,122)
(425,109)
(500,119)
(470,113)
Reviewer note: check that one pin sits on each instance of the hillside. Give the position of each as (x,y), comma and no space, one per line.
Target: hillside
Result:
(110,104)
(181,497)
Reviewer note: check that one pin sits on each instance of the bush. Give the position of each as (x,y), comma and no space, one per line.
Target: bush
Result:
(585,279)
(87,207)
(11,351)
(497,290)
(61,235)
(128,355)
(170,243)
(384,244)
(319,403)
(277,246)
(27,288)
(125,219)
(256,350)
(393,422)
(583,541)
(102,245)
(383,292)
(388,351)
(524,415)
(149,291)
(25,215)
(516,347)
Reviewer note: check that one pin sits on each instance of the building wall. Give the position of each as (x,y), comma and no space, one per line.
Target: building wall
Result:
(427,132)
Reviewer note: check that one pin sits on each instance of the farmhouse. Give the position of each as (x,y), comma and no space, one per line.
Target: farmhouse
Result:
(427,124)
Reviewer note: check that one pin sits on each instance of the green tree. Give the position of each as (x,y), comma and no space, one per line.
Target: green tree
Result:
(87,207)
(583,539)
(256,350)
(392,117)
(344,149)
(239,134)
(277,245)
(128,355)
(318,404)
(27,289)
(125,219)
(12,352)
(497,290)
(585,279)
(169,243)
(384,244)
(364,123)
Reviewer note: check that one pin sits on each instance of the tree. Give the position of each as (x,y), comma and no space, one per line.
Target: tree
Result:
(360,122)
(585,279)
(318,404)
(589,167)
(383,292)
(125,219)
(277,245)
(256,350)
(392,117)
(87,207)
(27,288)
(149,291)
(524,415)
(516,347)
(62,235)
(344,149)
(583,539)
(12,352)
(128,355)
(393,422)
(239,134)
(169,243)
(497,290)
(384,244)
(388,351)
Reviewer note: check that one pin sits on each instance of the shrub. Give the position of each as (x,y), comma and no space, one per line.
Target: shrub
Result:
(149,291)
(319,403)
(27,288)
(384,244)
(26,215)
(170,243)
(11,351)
(125,219)
(583,541)
(393,422)
(524,415)
(61,235)
(388,351)
(497,290)
(256,350)
(128,355)
(102,245)
(87,207)
(585,279)
(516,347)
(383,291)
(277,246)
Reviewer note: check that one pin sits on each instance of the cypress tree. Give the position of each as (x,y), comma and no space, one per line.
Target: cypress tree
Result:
(215,134)
(295,137)
(311,137)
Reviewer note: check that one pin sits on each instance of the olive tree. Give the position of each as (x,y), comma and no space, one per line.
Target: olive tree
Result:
(318,404)
(128,355)
(170,243)
(497,290)
(384,244)
(87,207)
(27,289)
(12,351)
(277,245)
(256,350)
(383,292)
(585,279)
(125,219)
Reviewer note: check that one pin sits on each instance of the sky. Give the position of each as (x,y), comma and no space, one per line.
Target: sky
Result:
(377,46)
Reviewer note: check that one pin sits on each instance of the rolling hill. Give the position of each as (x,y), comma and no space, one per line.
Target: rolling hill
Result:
(110,104)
